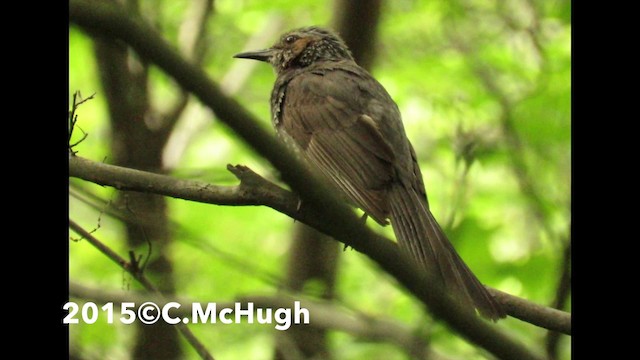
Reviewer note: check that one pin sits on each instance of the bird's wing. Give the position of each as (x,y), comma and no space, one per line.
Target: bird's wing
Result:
(329,116)
(346,125)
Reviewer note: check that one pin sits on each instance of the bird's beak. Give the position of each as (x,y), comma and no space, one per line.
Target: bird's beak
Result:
(260,55)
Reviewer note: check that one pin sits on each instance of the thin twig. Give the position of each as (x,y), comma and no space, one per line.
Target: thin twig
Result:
(202,244)
(73,120)
(141,278)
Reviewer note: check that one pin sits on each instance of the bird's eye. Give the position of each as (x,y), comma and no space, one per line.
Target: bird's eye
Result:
(290,39)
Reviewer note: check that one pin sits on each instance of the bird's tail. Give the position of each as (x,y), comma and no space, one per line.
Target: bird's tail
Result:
(419,234)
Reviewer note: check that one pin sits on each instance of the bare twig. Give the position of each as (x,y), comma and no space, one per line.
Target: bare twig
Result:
(132,269)
(73,120)
(242,264)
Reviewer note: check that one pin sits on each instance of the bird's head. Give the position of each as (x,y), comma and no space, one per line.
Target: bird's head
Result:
(300,48)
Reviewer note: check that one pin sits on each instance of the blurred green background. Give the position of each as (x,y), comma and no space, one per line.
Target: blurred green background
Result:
(484,88)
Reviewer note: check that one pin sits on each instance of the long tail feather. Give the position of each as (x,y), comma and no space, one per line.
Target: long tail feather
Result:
(419,234)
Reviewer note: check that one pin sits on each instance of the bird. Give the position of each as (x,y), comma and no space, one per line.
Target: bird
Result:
(348,130)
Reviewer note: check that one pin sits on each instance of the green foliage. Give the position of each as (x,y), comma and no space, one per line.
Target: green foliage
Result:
(508,215)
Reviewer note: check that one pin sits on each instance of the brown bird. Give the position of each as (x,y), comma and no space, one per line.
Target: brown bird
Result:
(349,130)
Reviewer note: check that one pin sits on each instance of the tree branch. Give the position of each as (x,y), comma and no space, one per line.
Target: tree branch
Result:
(525,310)
(337,219)
(255,190)
(135,272)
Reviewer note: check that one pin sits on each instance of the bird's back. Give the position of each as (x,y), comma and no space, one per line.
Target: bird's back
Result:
(346,124)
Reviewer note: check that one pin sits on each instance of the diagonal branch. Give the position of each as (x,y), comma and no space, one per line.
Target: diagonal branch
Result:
(132,269)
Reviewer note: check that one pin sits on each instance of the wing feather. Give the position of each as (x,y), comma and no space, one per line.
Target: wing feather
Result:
(336,132)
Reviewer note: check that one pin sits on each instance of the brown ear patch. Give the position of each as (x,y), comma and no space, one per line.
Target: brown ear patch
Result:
(300,44)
